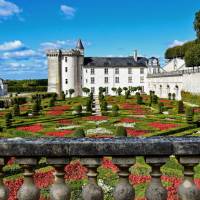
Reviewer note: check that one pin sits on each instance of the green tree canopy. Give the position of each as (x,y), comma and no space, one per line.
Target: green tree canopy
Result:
(197,24)
(192,56)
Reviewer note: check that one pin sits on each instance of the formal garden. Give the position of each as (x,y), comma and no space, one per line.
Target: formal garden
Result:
(128,114)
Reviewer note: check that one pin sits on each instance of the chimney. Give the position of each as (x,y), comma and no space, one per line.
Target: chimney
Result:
(135,55)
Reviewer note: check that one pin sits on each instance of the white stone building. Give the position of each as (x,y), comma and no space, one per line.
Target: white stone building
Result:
(174,77)
(70,69)
(3,88)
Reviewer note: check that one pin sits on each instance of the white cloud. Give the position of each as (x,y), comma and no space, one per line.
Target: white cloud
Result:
(13,45)
(8,9)
(177,43)
(19,54)
(68,11)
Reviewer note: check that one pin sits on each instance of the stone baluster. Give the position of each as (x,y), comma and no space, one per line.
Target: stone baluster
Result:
(3,188)
(59,190)
(155,190)
(28,190)
(124,190)
(92,191)
(188,190)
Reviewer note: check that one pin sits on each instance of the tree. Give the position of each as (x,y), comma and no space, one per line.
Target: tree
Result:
(125,89)
(35,110)
(8,120)
(180,107)
(63,96)
(71,91)
(86,90)
(160,107)
(114,90)
(192,56)
(119,91)
(197,24)
(89,105)
(51,102)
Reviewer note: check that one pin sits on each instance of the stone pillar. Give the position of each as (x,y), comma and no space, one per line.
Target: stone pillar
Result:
(188,190)
(155,190)
(59,190)
(124,190)
(92,191)
(3,188)
(28,190)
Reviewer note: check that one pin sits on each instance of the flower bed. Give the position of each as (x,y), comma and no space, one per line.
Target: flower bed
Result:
(162,126)
(55,112)
(65,122)
(59,133)
(197,110)
(58,110)
(128,120)
(33,128)
(96,118)
(133,132)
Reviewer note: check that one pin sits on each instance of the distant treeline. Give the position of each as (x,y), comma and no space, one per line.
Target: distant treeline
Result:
(32,85)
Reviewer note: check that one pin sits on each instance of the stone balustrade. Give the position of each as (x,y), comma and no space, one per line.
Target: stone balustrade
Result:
(90,151)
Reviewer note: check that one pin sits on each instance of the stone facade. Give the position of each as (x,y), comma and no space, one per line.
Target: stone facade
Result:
(72,70)
(3,88)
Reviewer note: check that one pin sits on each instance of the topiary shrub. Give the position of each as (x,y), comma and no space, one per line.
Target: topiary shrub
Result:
(160,107)
(121,131)
(127,94)
(35,109)
(62,96)
(180,107)
(115,109)
(79,133)
(119,91)
(174,96)
(8,120)
(78,109)
(104,105)
(139,99)
(16,110)
(89,106)
(51,102)
(189,115)
(170,96)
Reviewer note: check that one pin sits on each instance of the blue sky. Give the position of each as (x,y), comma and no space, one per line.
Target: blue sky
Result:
(107,27)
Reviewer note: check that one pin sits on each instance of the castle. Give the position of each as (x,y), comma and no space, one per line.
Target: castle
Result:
(70,69)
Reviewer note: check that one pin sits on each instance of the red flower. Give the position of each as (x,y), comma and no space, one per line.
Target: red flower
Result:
(55,112)
(33,128)
(108,164)
(65,122)
(128,120)
(96,118)
(162,126)
(133,132)
(137,179)
(58,110)
(59,133)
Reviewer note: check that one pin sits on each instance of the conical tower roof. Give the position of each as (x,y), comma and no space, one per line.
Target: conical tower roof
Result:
(79,45)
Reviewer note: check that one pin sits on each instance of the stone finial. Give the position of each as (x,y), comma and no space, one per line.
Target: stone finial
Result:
(92,191)
(188,190)
(124,190)
(155,190)
(28,190)
(59,190)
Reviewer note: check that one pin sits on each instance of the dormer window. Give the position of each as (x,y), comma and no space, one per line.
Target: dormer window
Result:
(65,59)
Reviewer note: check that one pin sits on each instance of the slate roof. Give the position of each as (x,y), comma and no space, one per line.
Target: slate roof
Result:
(115,62)
(79,45)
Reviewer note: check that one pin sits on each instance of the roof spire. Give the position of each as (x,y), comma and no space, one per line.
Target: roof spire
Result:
(80,45)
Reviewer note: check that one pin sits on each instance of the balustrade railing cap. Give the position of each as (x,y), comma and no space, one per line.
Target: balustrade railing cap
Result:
(85,147)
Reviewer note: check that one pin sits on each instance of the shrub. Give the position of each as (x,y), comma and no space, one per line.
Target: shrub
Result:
(35,109)
(139,99)
(16,110)
(121,131)
(115,109)
(71,91)
(154,99)
(174,96)
(119,91)
(160,107)
(86,90)
(180,107)
(89,106)
(79,133)
(189,115)
(127,94)
(8,120)
(62,96)
(170,96)
(104,105)
(51,102)
(78,109)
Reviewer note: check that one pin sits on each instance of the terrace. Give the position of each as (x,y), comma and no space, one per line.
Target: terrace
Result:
(123,151)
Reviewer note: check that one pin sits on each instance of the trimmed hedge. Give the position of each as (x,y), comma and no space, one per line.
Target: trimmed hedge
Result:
(191,98)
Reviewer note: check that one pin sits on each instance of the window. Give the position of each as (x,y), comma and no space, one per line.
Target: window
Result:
(106,71)
(116,79)
(66,81)
(92,71)
(66,92)
(141,70)
(116,70)
(107,90)
(142,79)
(65,59)
(129,70)
(106,80)
(92,80)
(93,90)
(129,79)
(86,80)
(66,69)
